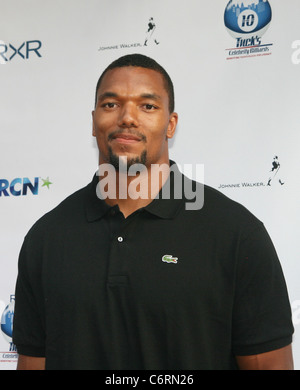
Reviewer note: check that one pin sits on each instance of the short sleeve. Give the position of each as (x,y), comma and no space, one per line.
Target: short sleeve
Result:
(28,326)
(262,319)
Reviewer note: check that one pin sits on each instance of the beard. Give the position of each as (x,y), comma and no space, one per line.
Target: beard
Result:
(122,163)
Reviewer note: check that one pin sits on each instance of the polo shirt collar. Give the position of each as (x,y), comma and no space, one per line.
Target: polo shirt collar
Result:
(96,208)
(163,208)
(167,208)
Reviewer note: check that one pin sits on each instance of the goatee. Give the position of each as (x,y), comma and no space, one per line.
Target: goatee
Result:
(123,163)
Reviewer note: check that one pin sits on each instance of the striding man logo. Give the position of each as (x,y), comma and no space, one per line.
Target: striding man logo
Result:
(151,32)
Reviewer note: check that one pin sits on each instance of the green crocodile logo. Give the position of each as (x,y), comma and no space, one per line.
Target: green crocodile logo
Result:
(169,259)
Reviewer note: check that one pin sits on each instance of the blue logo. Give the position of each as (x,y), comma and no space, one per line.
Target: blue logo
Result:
(246,19)
(22,186)
(7,319)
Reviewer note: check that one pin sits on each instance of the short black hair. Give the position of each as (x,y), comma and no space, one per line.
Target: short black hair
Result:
(142,61)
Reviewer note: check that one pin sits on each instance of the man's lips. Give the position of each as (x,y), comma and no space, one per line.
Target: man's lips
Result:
(126,138)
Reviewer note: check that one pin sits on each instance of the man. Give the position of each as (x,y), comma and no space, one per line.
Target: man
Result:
(112,281)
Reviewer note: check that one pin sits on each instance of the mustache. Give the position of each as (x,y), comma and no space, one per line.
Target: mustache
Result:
(136,133)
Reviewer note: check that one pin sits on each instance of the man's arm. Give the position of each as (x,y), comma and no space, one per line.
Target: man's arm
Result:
(31,363)
(280,359)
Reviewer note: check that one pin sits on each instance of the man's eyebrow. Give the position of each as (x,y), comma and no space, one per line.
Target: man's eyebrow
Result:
(152,96)
(107,95)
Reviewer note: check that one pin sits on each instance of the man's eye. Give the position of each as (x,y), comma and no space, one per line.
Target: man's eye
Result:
(149,107)
(109,105)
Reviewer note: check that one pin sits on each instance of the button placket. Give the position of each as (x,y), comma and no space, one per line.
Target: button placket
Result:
(120,253)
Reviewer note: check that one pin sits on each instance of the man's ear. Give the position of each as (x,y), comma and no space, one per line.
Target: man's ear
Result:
(172,125)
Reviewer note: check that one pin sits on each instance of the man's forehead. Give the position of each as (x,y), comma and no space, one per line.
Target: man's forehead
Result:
(133,76)
(109,94)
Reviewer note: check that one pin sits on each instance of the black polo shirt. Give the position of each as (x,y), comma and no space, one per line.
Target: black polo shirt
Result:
(165,288)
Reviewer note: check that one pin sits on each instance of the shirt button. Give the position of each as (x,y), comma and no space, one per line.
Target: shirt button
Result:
(120,239)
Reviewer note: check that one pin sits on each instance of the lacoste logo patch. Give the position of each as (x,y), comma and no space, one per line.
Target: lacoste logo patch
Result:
(169,259)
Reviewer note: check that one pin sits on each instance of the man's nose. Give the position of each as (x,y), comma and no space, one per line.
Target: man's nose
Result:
(128,116)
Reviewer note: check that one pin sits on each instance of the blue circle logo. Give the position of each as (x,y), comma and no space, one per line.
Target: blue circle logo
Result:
(7,320)
(247,17)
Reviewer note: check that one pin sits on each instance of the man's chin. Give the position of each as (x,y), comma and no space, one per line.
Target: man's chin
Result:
(124,162)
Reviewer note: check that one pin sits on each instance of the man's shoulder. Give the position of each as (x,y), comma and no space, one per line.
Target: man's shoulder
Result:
(207,203)
(219,208)
(216,198)
(221,202)
(70,209)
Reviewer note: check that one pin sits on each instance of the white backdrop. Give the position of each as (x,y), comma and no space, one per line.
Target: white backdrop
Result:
(237,111)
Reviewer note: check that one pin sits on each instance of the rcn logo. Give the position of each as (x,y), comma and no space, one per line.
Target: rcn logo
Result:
(23,50)
(247,20)
(22,186)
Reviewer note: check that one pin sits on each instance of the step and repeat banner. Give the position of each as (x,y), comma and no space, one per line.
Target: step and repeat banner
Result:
(236,71)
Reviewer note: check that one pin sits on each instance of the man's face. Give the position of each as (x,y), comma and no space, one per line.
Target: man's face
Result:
(132,117)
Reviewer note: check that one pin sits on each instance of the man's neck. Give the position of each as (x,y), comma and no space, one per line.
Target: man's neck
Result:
(133,190)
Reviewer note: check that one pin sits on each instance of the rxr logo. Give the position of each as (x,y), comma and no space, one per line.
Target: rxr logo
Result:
(25,50)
